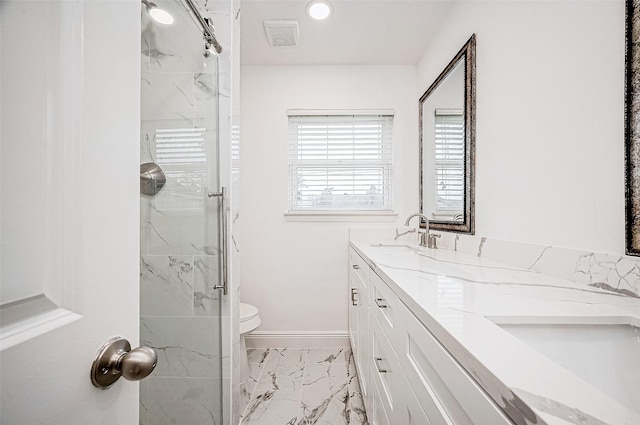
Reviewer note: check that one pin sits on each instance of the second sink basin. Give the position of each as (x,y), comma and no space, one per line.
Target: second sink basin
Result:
(605,355)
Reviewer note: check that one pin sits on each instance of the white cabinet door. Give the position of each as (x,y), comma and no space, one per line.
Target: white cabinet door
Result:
(354,300)
(410,411)
(364,344)
(359,321)
(443,386)
(70,82)
(376,413)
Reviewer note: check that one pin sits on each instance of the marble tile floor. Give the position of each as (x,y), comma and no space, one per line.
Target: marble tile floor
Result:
(302,387)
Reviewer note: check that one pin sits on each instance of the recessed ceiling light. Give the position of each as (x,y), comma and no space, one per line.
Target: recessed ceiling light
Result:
(319,9)
(161,16)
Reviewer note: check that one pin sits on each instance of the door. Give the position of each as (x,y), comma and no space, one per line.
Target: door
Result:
(70,82)
(354,301)
(180,240)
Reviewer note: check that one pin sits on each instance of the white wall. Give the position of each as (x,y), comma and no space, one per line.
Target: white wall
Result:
(296,272)
(550,158)
(550,115)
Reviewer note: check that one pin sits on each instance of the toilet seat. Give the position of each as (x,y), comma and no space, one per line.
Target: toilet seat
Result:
(249,318)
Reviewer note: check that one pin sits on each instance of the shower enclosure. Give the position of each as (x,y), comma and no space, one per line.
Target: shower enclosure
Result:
(182,235)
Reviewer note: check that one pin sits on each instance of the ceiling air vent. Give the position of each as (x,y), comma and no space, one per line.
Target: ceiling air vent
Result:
(282,33)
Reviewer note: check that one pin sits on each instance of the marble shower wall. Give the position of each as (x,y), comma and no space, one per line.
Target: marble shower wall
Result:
(181,314)
(180,319)
(612,272)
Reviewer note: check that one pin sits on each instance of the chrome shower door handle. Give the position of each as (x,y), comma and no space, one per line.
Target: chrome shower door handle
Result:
(224,278)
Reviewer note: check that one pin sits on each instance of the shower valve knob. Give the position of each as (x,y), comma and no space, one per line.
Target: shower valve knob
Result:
(116,358)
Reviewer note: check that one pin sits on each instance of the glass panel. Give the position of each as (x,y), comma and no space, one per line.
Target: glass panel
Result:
(443,148)
(179,234)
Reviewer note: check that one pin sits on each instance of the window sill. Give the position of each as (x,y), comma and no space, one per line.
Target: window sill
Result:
(340,216)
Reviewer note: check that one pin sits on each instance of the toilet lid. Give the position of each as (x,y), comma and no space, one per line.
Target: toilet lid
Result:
(247,312)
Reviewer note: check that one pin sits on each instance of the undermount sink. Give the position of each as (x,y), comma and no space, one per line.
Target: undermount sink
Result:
(393,247)
(605,355)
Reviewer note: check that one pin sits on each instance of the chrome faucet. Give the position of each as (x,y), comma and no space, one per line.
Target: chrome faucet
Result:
(424,238)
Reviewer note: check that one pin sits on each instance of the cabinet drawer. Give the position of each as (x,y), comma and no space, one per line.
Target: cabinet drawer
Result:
(441,384)
(358,265)
(411,412)
(384,370)
(385,306)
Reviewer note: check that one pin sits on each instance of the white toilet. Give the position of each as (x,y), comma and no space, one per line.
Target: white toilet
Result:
(249,321)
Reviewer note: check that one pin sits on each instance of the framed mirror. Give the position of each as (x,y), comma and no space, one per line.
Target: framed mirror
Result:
(447,145)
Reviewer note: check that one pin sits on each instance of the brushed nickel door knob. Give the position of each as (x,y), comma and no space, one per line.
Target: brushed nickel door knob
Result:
(116,358)
(138,363)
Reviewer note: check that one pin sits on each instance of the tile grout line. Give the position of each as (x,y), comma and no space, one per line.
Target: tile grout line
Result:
(257,382)
(304,374)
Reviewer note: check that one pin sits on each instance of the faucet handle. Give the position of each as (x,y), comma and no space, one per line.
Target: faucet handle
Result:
(422,238)
(433,240)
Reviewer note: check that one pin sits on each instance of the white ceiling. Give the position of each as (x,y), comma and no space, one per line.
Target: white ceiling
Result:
(360,32)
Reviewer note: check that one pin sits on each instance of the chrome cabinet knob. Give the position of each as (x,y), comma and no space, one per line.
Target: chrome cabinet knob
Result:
(116,358)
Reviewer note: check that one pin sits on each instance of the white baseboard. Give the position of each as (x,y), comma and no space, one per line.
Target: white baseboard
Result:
(297,339)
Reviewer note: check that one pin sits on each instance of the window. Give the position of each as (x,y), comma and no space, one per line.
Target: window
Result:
(449,164)
(340,162)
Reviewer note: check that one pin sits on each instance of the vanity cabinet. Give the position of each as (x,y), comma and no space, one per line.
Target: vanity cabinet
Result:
(406,375)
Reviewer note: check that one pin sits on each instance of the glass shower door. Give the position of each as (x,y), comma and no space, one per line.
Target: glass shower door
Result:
(180,226)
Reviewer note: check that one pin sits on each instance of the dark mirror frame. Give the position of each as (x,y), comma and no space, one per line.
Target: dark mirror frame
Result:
(468,54)
(632,127)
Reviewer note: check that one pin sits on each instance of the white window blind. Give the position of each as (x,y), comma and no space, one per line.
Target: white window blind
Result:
(449,163)
(340,162)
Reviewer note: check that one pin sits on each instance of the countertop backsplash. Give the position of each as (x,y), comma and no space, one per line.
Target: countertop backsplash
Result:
(612,272)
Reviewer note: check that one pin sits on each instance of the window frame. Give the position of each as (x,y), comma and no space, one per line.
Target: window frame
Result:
(352,213)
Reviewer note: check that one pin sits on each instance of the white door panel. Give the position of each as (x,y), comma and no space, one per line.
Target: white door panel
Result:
(70,205)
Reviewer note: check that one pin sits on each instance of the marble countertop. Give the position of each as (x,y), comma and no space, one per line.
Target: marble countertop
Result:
(462,299)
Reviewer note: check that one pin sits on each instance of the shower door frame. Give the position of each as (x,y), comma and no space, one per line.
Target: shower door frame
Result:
(208,288)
